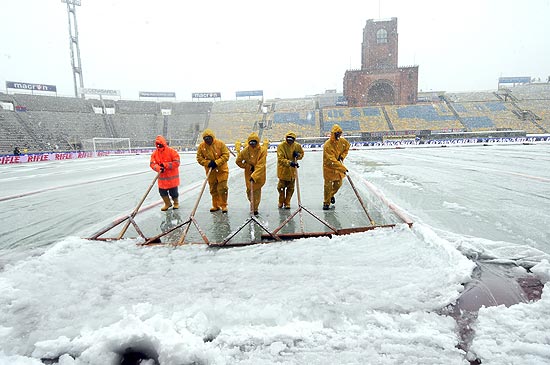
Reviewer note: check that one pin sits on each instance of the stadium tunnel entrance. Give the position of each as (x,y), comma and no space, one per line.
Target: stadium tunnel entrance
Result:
(381,92)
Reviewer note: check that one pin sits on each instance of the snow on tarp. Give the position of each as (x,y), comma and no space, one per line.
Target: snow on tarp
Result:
(363,296)
(370,297)
(519,334)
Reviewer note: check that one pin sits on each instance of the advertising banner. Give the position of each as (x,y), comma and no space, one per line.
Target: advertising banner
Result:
(239,94)
(206,95)
(514,80)
(29,86)
(89,91)
(156,94)
(341,101)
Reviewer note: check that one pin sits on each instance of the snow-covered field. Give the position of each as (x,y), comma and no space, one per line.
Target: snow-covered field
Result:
(368,298)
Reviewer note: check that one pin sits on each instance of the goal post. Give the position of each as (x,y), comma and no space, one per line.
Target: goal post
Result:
(101,146)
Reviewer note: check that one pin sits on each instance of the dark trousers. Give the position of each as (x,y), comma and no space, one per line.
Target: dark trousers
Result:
(172,191)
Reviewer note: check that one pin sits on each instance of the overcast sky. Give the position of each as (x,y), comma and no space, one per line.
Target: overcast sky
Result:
(287,48)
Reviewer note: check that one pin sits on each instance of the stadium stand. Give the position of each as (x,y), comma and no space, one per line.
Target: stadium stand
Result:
(355,120)
(289,105)
(533,104)
(304,123)
(297,115)
(536,112)
(136,107)
(52,103)
(40,123)
(435,117)
(14,134)
(472,96)
(141,129)
(234,120)
(536,91)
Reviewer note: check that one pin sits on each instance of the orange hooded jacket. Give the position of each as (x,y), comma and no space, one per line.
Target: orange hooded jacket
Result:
(170,158)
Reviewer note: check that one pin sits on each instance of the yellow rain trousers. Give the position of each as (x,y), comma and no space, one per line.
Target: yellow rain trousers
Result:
(253,161)
(334,171)
(217,180)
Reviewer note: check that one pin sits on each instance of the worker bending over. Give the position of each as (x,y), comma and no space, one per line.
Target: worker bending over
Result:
(335,150)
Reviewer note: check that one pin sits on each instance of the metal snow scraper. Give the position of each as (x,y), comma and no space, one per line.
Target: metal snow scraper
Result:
(333,230)
(252,219)
(187,223)
(302,233)
(128,219)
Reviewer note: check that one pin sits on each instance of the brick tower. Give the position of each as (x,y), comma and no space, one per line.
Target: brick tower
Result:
(380,80)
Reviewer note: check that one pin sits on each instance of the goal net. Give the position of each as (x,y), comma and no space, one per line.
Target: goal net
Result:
(107,146)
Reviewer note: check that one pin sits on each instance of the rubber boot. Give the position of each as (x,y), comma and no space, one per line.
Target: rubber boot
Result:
(223,192)
(287,200)
(223,203)
(167,203)
(176,203)
(281,190)
(215,203)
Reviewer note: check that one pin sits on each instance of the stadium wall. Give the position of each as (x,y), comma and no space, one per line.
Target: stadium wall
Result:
(11,159)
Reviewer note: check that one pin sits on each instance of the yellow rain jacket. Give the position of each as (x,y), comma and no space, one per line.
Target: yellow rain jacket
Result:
(217,151)
(284,157)
(334,153)
(253,157)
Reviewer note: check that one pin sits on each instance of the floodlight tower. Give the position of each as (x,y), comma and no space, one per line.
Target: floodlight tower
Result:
(73,39)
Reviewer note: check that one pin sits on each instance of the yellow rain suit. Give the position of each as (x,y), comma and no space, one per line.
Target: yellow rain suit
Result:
(286,173)
(217,180)
(253,161)
(334,171)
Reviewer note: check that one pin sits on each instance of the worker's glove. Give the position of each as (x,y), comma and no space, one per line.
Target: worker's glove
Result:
(341,159)
(251,180)
(295,154)
(161,167)
(294,164)
(212,164)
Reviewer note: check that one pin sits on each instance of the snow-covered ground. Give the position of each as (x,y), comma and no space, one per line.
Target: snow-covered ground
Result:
(367,298)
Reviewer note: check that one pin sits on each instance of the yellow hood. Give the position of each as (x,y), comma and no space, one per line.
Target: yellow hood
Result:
(290,134)
(335,129)
(253,137)
(208,132)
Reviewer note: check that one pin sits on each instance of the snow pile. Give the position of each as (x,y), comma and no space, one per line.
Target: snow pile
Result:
(519,334)
(354,298)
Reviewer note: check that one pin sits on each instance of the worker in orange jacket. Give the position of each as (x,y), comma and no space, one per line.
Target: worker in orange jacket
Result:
(166,160)
(335,150)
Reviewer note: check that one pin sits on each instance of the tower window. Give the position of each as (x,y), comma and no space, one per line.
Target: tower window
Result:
(381,36)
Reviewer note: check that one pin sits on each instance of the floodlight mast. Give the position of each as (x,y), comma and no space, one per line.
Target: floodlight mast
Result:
(74,47)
